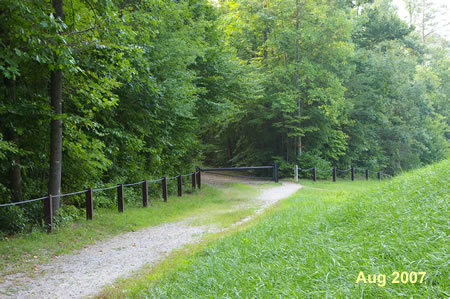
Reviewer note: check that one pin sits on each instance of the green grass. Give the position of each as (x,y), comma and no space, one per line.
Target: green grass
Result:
(316,243)
(23,252)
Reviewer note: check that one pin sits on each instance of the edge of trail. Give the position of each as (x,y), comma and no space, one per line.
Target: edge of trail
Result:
(87,271)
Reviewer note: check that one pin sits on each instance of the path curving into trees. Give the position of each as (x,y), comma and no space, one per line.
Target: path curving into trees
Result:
(94,267)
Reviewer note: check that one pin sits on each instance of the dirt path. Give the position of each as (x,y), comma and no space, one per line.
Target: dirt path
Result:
(86,272)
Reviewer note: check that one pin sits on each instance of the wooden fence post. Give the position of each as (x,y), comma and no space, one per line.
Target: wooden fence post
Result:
(164,189)
(48,213)
(89,204)
(180,185)
(199,179)
(120,198)
(353,173)
(367,174)
(275,172)
(193,180)
(334,174)
(314,174)
(145,193)
(379,176)
(296,173)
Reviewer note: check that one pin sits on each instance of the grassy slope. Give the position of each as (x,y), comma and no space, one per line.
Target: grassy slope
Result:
(316,243)
(22,253)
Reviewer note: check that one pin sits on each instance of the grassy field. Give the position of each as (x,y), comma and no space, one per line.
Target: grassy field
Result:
(320,241)
(24,252)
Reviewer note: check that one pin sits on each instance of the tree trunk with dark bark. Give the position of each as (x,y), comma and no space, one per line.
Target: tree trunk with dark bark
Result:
(14,171)
(54,184)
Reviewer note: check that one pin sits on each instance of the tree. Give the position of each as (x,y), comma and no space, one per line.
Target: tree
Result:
(428,17)
(56,78)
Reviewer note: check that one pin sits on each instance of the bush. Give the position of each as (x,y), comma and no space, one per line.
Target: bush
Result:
(68,213)
(12,220)
(313,159)
(285,169)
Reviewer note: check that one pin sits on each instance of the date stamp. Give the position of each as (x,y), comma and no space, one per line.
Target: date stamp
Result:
(394,278)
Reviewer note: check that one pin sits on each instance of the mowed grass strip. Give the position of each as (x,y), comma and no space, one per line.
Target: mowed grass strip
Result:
(317,243)
(24,252)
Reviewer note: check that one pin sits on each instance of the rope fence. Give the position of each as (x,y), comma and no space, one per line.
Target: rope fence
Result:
(195,183)
(48,217)
(70,194)
(334,171)
(133,184)
(22,202)
(105,188)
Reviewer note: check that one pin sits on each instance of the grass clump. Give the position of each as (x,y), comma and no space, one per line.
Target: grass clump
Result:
(317,242)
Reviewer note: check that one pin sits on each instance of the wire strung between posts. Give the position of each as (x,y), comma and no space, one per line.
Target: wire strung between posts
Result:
(381,173)
(241,176)
(133,184)
(309,169)
(22,202)
(343,170)
(69,194)
(154,181)
(104,189)
(171,178)
(189,174)
(322,171)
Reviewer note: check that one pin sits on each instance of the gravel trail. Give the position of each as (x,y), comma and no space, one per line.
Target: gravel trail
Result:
(85,273)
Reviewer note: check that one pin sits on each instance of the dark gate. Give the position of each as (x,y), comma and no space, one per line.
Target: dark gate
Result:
(274,168)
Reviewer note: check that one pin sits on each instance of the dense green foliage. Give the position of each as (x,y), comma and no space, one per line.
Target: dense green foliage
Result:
(343,84)
(319,240)
(156,87)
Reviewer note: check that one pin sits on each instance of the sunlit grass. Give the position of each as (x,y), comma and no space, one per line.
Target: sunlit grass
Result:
(316,243)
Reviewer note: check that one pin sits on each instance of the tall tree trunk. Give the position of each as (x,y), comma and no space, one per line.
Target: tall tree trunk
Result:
(15,171)
(16,175)
(54,184)
(297,72)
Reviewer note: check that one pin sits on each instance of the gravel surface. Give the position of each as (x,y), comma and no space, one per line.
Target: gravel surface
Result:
(86,272)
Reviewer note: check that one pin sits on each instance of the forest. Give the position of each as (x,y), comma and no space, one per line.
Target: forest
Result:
(99,92)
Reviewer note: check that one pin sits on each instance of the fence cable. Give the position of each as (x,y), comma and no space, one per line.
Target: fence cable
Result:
(154,181)
(133,184)
(105,188)
(22,202)
(69,194)
(322,171)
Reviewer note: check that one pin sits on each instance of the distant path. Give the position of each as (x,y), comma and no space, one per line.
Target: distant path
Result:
(88,271)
